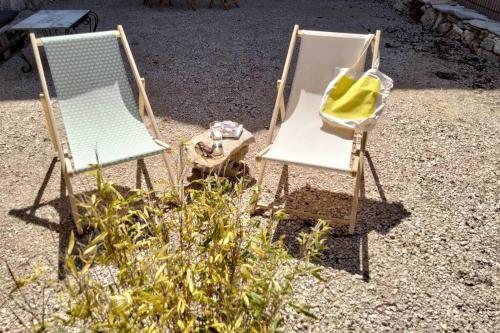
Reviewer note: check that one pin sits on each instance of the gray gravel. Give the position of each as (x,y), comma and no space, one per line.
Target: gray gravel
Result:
(425,255)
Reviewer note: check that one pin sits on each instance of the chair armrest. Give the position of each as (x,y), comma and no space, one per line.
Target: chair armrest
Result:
(164,145)
(259,155)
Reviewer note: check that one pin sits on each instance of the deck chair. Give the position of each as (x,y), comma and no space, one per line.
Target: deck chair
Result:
(302,139)
(103,124)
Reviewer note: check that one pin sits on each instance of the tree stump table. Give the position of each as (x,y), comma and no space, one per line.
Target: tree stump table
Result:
(226,165)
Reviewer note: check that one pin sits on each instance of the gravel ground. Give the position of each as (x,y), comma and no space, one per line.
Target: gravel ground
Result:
(425,255)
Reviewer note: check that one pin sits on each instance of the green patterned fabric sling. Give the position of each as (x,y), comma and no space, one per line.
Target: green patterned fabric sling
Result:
(98,108)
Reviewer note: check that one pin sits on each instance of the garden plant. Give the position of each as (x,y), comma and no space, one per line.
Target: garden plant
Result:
(188,261)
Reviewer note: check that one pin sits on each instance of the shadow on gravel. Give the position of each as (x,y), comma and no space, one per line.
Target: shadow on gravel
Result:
(61,205)
(346,252)
(343,251)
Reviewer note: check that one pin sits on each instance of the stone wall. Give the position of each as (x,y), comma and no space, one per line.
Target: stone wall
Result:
(474,30)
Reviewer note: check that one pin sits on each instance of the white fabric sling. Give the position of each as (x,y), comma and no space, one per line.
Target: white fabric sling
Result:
(302,139)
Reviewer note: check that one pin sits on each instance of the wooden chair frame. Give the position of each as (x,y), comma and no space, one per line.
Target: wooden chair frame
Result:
(144,109)
(358,154)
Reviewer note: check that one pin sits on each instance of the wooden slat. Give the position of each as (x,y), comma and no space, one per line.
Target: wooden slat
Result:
(357,185)
(45,92)
(38,41)
(163,144)
(355,166)
(259,155)
(284,76)
(303,214)
(282,102)
(141,99)
(279,96)
(142,91)
(45,109)
(69,167)
(375,49)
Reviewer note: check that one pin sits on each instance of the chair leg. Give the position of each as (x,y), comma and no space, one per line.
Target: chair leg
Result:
(138,174)
(362,191)
(355,196)
(262,168)
(169,170)
(72,202)
(283,185)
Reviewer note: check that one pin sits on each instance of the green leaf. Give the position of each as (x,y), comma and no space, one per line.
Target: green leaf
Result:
(304,309)
(71,243)
(160,271)
(89,249)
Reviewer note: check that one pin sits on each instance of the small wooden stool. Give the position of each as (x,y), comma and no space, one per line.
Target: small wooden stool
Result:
(227,165)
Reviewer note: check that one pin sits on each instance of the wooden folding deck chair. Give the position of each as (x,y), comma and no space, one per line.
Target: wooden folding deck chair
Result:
(302,139)
(103,124)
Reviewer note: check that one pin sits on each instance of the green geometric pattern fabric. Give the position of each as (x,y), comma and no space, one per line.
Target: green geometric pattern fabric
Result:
(98,108)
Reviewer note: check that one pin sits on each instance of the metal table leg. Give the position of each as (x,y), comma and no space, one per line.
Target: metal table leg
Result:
(25,68)
(92,20)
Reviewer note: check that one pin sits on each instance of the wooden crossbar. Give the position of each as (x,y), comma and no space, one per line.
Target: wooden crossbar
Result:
(39,42)
(304,214)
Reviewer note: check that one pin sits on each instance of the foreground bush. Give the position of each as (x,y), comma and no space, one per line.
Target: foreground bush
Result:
(186,262)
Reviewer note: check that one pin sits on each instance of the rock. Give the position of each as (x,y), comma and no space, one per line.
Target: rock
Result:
(475,44)
(490,56)
(496,48)
(415,11)
(428,18)
(444,27)
(488,44)
(467,37)
(483,34)
(447,76)
(455,32)
(440,18)
(401,5)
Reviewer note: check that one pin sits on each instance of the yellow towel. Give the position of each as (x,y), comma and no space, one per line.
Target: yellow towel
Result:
(353,99)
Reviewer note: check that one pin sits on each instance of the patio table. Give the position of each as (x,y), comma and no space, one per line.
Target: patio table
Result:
(54,22)
(227,165)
